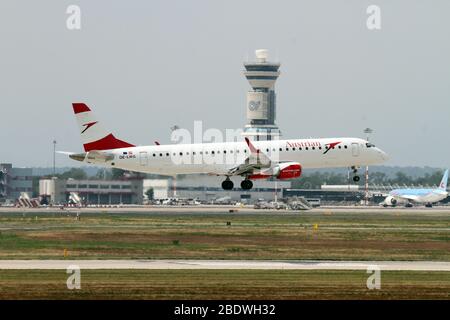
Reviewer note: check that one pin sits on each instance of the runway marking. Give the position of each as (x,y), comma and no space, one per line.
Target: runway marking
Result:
(225,264)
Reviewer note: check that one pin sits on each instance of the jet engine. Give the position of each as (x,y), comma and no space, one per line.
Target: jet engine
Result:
(390,201)
(282,171)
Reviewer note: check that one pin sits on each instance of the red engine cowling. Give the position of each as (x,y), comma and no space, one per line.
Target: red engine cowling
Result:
(289,170)
(283,171)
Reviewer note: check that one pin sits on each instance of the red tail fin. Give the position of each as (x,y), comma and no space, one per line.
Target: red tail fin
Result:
(93,135)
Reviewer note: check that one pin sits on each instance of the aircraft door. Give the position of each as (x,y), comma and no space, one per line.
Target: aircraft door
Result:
(355,149)
(143,158)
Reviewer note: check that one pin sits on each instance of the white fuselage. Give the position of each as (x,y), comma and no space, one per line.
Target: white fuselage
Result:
(219,158)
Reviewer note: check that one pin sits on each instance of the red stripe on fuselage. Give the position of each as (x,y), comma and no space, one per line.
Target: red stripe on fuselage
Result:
(80,107)
(106,143)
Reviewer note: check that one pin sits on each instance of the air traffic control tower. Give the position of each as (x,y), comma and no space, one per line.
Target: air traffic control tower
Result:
(261,100)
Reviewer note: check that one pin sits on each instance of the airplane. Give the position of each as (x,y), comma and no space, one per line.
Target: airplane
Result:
(279,159)
(410,196)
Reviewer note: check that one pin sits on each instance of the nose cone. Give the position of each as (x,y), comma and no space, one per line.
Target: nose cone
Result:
(383,155)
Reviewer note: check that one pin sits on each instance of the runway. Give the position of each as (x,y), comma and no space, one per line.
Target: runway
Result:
(225,264)
(228,209)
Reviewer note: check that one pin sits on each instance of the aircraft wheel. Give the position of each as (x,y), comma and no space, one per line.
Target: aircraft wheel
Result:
(227,184)
(246,184)
(356,178)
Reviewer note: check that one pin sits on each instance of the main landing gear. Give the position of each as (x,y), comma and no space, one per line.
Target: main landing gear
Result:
(227,184)
(245,184)
(355,174)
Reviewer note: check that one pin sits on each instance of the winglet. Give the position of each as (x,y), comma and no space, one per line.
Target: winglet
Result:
(251,146)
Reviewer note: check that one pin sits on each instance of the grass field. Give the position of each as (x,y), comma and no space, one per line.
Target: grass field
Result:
(338,236)
(222,284)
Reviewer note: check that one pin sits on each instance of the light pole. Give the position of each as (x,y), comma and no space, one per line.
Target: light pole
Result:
(174,180)
(54,157)
(367,131)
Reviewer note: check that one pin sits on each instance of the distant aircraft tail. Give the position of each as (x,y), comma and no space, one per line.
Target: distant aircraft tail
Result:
(443,184)
(93,135)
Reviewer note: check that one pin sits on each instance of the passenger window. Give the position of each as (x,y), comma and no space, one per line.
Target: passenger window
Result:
(154,155)
(306,148)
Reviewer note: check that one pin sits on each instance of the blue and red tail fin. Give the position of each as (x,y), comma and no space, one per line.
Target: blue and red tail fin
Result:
(443,184)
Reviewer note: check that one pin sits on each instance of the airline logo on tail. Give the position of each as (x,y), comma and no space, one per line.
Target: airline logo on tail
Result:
(88,125)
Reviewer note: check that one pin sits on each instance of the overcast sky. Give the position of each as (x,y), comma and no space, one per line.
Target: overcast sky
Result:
(144,66)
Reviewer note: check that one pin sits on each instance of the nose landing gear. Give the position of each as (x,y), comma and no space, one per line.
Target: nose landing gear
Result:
(355,172)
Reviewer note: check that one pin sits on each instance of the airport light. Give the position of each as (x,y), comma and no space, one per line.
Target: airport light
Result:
(54,156)
(367,131)
(174,180)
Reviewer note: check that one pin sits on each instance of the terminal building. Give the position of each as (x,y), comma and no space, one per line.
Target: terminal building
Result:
(92,192)
(14,182)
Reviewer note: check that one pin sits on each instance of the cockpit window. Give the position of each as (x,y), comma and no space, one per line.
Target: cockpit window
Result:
(370,145)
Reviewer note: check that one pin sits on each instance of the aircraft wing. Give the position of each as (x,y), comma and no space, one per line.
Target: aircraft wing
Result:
(257,160)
